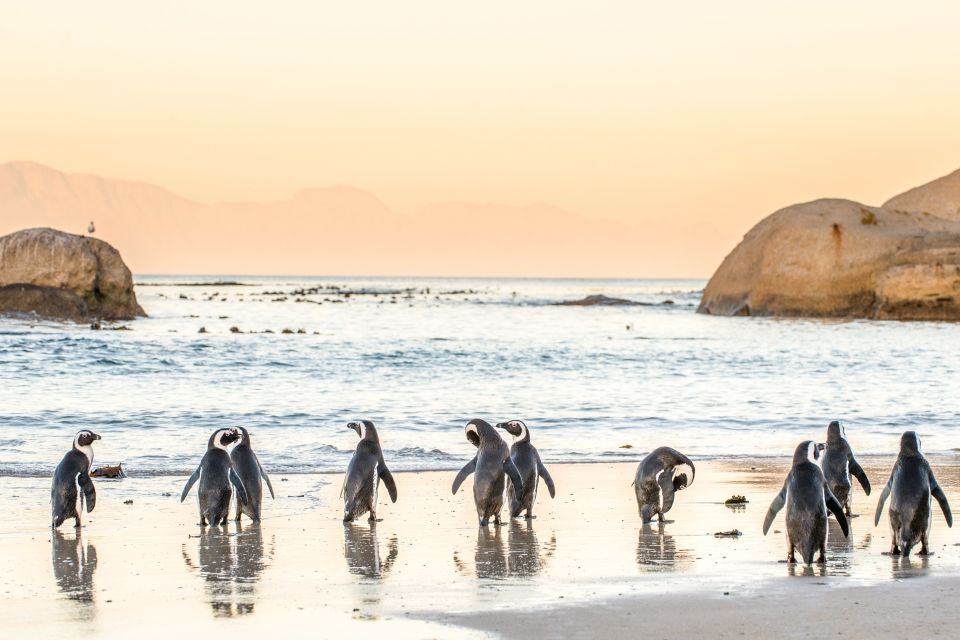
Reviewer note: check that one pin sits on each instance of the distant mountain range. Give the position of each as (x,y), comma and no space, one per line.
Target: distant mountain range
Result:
(341,230)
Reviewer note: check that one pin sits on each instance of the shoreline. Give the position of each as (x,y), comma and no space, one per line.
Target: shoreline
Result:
(427,570)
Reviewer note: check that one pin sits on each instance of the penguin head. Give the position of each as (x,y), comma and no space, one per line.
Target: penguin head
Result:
(221,438)
(910,442)
(244,435)
(364,429)
(477,430)
(807,451)
(84,438)
(517,429)
(835,432)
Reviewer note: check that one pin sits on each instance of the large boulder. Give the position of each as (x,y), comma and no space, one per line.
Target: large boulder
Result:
(90,269)
(838,258)
(939,198)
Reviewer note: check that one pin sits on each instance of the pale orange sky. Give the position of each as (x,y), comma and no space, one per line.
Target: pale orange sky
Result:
(699,113)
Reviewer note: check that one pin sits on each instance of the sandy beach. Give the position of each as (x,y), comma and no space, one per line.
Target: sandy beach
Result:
(585,567)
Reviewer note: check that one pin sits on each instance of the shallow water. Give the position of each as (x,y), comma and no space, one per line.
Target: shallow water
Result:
(422,356)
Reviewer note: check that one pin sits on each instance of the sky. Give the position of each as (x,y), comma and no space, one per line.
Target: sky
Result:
(694,113)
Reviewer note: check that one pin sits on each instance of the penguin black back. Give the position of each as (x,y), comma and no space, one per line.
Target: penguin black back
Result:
(366,470)
(247,466)
(527,460)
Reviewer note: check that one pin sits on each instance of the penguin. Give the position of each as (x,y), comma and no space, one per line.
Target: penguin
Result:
(74,471)
(491,464)
(216,474)
(527,460)
(910,488)
(247,466)
(658,480)
(807,497)
(837,463)
(364,473)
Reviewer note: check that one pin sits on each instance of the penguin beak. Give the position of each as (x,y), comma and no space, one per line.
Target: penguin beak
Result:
(355,426)
(96,436)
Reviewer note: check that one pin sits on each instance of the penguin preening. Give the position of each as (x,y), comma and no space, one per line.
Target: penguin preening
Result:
(527,460)
(807,498)
(838,464)
(910,487)
(660,475)
(73,471)
(492,465)
(364,473)
(216,475)
(247,466)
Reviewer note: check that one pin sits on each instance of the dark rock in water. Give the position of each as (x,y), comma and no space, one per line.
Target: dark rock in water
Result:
(109,472)
(202,330)
(235,330)
(46,302)
(598,301)
(59,264)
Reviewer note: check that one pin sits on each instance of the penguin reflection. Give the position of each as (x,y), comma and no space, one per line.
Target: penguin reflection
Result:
(657,551)
(525,558)
(362,551)
(839,548)
(909,567)
(73,567)
(230,567)
(490,560)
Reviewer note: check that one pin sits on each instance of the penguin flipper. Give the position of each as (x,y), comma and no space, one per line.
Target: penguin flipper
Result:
(547,480)
(883,498)
(941,497)
(468,468)
(266,478)
(837,509)
(90,492)
(667,491)
(514,474)
(238,485)
(775,506)
(192,480)
(387,478)
(860,475)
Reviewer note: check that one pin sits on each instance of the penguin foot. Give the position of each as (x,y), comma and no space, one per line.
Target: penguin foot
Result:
(484,522)
(822,559)
(925,552)
(662,521)
(530,516)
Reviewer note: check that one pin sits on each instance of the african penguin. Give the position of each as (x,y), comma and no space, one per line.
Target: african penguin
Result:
(660,475)
(527,460)
(491,464)
(364,473)
(807,497)
(74,471)
(910,487)
(247,465)
(216,474)
(838,463)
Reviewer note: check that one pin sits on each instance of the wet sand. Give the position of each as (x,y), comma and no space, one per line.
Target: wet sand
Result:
(585,567)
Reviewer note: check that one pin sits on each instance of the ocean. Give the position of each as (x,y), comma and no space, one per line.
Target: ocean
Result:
(295,358)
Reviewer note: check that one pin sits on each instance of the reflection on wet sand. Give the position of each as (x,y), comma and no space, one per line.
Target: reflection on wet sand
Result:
(816,569)
(521,557)
(657,551)
(361,548)
(909,567)
(839,548)
(230,565)
(73,567)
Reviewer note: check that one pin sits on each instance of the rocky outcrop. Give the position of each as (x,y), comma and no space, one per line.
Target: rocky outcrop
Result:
(940,198)
(598,301)
(838,258)
(71,277)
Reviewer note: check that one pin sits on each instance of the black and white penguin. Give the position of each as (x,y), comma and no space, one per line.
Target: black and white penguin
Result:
(807,497)
(910,487)
(492,464)
(74,471)
(364,473)
(216,475)
(838,463)
(247,465)
(660,475)
(527,460)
